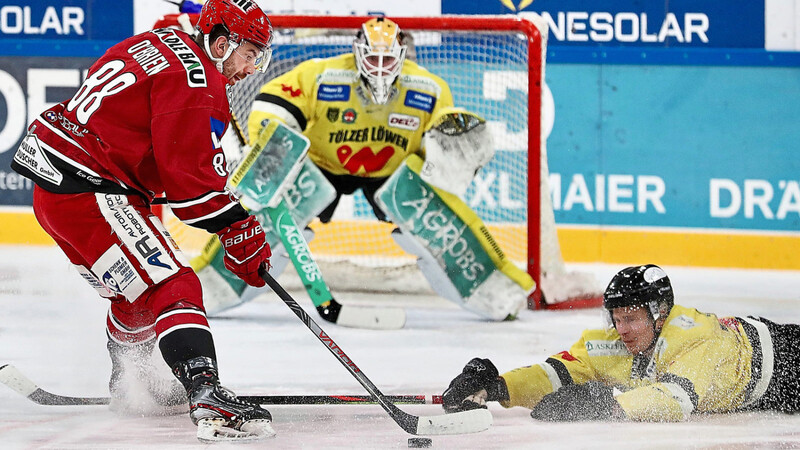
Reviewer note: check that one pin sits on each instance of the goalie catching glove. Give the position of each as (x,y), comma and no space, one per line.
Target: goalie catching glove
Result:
(246,249)
(478,383)
(457,144)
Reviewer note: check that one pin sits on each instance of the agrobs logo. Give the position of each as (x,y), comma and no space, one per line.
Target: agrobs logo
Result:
(522,4)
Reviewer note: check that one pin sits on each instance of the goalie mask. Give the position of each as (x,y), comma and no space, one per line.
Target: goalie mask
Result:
(244,21)
(645,286)
(379,54)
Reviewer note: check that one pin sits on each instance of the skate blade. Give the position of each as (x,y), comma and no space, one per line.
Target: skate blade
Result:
(216,430)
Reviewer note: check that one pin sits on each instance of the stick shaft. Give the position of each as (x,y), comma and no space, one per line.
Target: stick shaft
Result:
(406,421)
(17,381)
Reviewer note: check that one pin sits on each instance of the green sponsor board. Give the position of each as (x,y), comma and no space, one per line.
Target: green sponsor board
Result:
(421,212)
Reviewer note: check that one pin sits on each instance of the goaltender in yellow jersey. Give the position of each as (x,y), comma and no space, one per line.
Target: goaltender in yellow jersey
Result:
(372,114)
(349,133)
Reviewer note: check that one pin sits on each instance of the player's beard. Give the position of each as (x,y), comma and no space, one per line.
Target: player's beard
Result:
(229,70)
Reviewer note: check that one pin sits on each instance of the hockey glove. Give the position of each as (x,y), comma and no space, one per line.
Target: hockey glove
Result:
(246,249)
(576,402)
(464,392)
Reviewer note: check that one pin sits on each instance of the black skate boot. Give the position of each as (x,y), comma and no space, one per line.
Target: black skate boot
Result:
(137,387)
(216,411)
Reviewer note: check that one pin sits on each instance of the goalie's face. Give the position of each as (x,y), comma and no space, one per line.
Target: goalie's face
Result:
(379,56)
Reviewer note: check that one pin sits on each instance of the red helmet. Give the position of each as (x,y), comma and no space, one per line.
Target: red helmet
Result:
(243,19)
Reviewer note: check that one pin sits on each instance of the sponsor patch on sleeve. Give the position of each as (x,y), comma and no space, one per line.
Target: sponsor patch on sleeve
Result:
(606,348)
(683,321)
(333,92)
(567,356)
(418,100)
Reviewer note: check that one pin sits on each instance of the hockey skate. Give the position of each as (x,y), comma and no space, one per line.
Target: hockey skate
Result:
(217,412)
(138,387)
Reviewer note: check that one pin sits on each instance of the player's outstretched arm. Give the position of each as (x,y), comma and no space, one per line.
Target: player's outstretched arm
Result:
(577,402)
(477,383)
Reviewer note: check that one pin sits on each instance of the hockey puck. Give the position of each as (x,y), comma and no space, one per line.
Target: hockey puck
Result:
(420,442)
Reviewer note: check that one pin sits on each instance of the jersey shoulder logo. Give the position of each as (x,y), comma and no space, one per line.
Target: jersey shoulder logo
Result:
(217,130)
(683,321)
(420,83)
(349,115)
(567,356)
(597,347)
(333,92)
(195,73)
(332,115)
(419,100)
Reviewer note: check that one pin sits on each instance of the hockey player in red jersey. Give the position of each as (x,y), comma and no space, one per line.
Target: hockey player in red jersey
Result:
(147,120)
(655,361)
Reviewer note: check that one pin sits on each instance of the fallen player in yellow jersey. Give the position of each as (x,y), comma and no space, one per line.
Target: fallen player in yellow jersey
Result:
(656,361)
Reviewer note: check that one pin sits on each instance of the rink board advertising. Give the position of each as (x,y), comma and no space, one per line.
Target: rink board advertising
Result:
(636,149)
(673,23)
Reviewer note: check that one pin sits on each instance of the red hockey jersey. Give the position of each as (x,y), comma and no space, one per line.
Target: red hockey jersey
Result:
(148,119)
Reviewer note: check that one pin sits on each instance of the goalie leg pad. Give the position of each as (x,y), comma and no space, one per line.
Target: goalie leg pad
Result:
(498,298)
(433,272)
(455,250)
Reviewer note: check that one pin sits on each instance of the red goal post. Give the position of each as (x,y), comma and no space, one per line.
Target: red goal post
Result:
(529,46)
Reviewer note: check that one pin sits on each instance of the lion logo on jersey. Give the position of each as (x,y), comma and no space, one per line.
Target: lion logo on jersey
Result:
(332,115)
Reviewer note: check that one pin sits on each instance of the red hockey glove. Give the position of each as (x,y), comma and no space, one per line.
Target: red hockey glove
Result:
(246,249)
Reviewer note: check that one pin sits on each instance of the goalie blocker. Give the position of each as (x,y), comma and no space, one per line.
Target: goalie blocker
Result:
(275,170)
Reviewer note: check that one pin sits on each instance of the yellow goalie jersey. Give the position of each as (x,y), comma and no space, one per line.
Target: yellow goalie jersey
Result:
(349,134)
(700,363)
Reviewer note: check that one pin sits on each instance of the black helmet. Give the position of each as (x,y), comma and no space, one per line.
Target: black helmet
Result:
(646,285)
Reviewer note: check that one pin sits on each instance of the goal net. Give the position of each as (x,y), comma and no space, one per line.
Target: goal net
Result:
(495,67)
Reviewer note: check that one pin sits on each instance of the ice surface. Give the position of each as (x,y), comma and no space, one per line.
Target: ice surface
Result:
(52,329)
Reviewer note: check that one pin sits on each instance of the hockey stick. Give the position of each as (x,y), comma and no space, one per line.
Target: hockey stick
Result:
(14,379)
(375,318)
(378,318)
(456,423)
